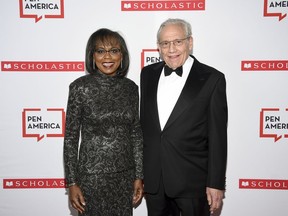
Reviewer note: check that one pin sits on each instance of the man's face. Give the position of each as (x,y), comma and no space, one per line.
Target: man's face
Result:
(174,46)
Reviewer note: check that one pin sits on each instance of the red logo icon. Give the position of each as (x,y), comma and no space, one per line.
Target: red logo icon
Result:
(36,123)
(41,8)
(9,66)
(149,56)
(273,123)
(272,184)
(274,8)
(163,5)
(268,65)
(33,183)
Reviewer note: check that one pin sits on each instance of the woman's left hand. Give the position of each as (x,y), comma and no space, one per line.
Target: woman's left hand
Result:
(138,191)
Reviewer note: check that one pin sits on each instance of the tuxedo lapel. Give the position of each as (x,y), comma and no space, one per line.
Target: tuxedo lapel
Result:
(153,87)
(192,87)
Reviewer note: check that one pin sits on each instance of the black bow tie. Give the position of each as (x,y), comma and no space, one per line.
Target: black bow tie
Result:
(168,71)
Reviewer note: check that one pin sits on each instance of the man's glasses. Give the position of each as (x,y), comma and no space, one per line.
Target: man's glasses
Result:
(114,52)
(177,42)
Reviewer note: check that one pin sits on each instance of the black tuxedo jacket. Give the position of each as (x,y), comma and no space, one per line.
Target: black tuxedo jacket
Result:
(190,152)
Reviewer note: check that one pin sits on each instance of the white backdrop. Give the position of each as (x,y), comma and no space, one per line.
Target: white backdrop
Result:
(42,48)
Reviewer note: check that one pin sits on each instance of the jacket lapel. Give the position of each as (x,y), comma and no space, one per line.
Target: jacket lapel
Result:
(192,87)
(153,86)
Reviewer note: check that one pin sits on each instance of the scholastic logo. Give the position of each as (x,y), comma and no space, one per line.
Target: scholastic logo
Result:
(267,184)
(274,8)
(38,123)
(272,65)
(38,9)
(33,183)
(43,66)
(274,123)
(163,5)
(149,56)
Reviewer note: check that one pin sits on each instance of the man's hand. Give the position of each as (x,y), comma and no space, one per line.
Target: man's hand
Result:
(214,197)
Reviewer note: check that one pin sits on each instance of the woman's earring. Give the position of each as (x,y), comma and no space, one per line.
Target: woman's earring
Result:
(94,65)
(121,64)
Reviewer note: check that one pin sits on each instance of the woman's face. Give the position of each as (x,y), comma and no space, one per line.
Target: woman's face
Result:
(108,58)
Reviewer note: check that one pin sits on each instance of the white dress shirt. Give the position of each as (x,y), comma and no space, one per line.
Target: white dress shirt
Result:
(169,90)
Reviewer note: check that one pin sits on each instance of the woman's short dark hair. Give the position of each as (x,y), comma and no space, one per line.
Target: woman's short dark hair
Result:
(105,36)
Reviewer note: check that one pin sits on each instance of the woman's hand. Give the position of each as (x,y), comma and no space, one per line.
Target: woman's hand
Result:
(138,191)
(76,198)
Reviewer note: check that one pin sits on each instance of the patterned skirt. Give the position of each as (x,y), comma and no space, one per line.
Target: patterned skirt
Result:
(108,194)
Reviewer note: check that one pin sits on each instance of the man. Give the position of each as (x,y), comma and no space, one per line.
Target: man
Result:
(184,122)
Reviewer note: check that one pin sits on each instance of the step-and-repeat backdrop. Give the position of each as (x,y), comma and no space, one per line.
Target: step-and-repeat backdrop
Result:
(42,48)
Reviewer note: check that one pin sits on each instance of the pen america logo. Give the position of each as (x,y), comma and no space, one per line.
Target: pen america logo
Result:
(264,65)
(268,184)
(38,9)
(36,123)
(149,56)
(33,183)
(274,123)
(163,5)
(277,9)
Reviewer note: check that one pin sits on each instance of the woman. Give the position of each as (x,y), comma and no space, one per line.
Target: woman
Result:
(104,175)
